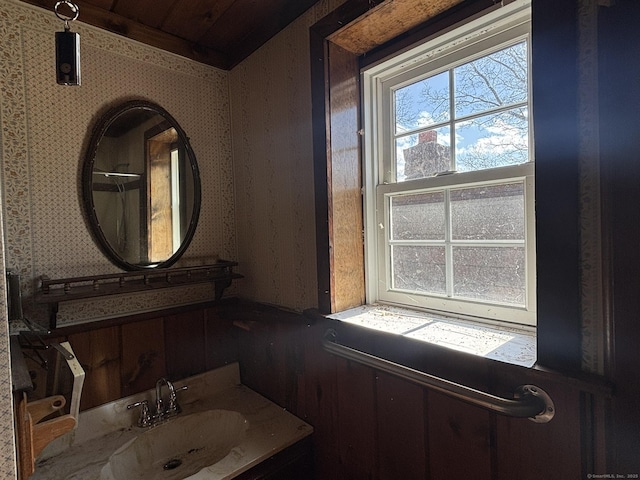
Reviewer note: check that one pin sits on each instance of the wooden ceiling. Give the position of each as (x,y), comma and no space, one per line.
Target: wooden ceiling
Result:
(220,33)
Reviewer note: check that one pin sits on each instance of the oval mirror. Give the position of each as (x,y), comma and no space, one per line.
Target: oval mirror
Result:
(141,186)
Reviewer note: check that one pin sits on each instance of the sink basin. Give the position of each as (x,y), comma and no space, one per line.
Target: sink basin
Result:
(178,448)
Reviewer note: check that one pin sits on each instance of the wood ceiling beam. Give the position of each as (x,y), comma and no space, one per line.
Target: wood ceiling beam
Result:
(128,28)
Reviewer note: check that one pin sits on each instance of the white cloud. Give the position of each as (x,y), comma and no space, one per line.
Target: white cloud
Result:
(498,138)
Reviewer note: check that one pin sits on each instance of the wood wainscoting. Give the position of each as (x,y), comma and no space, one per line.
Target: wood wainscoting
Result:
(128,355)
(367,424)
(373,425)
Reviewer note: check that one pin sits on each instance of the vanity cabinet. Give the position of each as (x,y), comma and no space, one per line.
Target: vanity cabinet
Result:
(293,463)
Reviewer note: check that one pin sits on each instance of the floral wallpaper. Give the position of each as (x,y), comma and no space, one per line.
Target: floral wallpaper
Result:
(46,128)
(44,131)
(273,167)
(7,441)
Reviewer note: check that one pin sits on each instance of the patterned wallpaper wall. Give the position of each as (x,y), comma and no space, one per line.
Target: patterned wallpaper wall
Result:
(273,167)
(7,443)
(46,128)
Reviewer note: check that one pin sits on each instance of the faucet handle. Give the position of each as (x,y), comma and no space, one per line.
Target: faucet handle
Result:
(144,420)
(174,408)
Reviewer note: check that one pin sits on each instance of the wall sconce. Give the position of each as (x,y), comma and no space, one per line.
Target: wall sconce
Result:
(67,47)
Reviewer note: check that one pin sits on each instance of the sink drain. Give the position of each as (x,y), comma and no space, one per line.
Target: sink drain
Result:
(171,464)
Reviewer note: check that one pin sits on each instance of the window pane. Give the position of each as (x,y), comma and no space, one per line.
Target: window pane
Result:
(494,274)
(492,141)
(491,212)
(423,154)
(422,103)
(418,217)
(450,213)
(490,82)
(419,268)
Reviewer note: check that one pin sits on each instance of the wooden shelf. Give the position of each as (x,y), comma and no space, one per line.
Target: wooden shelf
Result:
(54,291)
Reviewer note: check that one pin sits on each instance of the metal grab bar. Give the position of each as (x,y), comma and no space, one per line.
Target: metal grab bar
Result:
(529,401)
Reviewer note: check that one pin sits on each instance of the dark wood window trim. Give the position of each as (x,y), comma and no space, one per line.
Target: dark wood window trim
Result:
(336,110)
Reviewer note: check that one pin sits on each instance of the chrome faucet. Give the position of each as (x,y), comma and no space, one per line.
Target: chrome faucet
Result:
(147,419)
(172,408)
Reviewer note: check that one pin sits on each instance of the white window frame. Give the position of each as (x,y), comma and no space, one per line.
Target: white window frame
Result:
(493,31)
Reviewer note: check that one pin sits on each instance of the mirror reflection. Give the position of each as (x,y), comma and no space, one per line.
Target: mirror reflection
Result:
(141,186)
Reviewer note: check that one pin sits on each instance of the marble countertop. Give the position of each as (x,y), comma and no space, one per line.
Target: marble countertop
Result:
(81,454)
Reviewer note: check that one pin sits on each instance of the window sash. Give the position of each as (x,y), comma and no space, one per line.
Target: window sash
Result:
(489,311)
(400,77)
(380,184)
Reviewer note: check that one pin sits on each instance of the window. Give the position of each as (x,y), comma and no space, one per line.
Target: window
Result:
(449,175)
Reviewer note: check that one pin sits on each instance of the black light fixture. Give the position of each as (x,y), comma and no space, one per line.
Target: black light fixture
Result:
(67,47)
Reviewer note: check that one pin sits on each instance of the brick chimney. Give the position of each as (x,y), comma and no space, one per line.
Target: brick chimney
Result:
(428,136)
(427,157)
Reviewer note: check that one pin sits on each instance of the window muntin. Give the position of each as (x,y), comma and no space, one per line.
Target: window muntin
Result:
(481,103)
(466,243)
(451,226)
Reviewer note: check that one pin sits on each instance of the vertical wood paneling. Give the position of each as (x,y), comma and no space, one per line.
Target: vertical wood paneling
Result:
(400,420)
(98,351)
(355,385)
(459,439)
(275,347)
(368,425)
(278,350)
(293,339)
(143,361)
(318,403)
(220,340)
(262,360)
(125,359)
(184,344)
(529,451)
(372,425)
(598,443)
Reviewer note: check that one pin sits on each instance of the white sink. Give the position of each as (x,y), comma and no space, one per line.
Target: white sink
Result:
(178,448)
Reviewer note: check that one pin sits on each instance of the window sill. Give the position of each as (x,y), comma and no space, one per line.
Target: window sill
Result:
(510,345)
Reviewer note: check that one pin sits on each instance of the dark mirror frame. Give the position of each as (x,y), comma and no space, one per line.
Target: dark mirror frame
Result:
(101,127)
